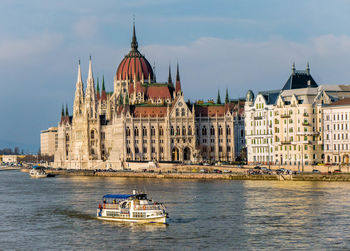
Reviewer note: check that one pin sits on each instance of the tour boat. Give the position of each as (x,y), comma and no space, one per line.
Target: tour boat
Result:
(131,208)
(37,172)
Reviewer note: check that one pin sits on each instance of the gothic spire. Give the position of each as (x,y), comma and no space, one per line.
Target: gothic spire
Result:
(308,68)
(67,114)
(98,86)
(227,99)
(62,112)
(134,44)
(178,83)
(170,81)
(103,83)
(293,68)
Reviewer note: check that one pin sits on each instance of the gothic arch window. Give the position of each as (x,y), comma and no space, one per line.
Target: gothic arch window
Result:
(204,130)
(92,134)
(189,130)
(212,130)
(127,131)
(177,111)
(177,130)
(220,130)
(153,131)
(171,130)
(144,131)
(197,130)
(161,132)
(136,131)
(183,130)
(228,130)
(183,112)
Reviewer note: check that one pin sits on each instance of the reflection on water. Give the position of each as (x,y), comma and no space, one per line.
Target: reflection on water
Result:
(59,213)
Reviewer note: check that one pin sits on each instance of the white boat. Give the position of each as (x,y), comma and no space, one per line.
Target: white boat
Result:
(37,172)
(131,208)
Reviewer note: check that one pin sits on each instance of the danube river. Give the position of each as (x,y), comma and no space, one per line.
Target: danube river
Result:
(59,214)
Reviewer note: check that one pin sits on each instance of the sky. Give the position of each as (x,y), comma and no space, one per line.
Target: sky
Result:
(234,44)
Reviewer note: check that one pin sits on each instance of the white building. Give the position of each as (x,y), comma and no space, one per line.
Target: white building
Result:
(259,126)
(336,117)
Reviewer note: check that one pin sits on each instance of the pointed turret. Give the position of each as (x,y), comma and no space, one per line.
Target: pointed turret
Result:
(90,96)
(134,44)
(218,100)
(97,90)
(103,94)
(66,117)
(62,114)
(178,83)
(170,81)
(227,99)
(79,94)
(293,68)
(308,68)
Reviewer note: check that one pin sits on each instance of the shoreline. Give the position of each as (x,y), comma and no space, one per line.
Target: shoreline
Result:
(205,176)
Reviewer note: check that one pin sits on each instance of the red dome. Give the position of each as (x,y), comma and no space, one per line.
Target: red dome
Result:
(134,64)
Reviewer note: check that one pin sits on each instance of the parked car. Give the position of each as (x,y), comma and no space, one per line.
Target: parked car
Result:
(316,171)
(257,168)
(203,171)
(217,171)
(227,171)
(337,171)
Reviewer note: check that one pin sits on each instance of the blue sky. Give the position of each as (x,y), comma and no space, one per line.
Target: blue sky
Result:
(234,44)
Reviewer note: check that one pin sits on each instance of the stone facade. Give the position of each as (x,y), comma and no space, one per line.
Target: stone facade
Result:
(143,120)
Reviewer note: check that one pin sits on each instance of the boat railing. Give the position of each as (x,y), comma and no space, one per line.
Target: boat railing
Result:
(148,207)
(110,206)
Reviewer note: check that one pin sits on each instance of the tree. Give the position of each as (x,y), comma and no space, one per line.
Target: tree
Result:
(218,100)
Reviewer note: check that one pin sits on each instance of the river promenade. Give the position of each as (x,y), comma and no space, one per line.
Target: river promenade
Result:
(186,172)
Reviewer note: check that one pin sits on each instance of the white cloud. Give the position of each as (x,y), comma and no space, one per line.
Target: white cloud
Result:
(86,27)
(17,50)
(210,63)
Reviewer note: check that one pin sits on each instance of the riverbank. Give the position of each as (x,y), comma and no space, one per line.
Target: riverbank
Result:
(204,176)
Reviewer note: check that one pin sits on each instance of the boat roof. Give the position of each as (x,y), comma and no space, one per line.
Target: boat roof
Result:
(117,196)
(120,196)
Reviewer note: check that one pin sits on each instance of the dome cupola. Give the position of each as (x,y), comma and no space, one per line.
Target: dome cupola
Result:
(134,63)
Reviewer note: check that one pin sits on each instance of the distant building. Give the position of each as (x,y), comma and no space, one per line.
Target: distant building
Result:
(48,141)
(336,133)
(9,158)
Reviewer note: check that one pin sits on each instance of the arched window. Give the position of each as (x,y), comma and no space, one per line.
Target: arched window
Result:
(177,111)
(136,150)
(92,134)
(136,132)
(220,130)
(161,132)
(177,130)
(212,130)
(127,131)
(183,112)
(171,130)
(204,130)
(183,130)
(228,130)
(144,131)
(153,131)
(197,131)
(189,130)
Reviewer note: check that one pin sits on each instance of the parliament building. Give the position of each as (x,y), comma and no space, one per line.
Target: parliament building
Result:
(145,120)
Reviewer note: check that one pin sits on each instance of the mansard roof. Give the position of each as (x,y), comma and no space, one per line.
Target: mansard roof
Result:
(299,79)
(270,96)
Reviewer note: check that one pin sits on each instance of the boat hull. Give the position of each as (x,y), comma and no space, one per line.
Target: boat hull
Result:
(38,176)
(161,219)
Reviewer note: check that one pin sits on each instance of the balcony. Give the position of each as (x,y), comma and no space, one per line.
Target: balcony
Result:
(285,116)
(286,142)
(306,114)
(306,123)
(308,133)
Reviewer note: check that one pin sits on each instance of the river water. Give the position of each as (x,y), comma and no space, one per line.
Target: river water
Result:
(59,214)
